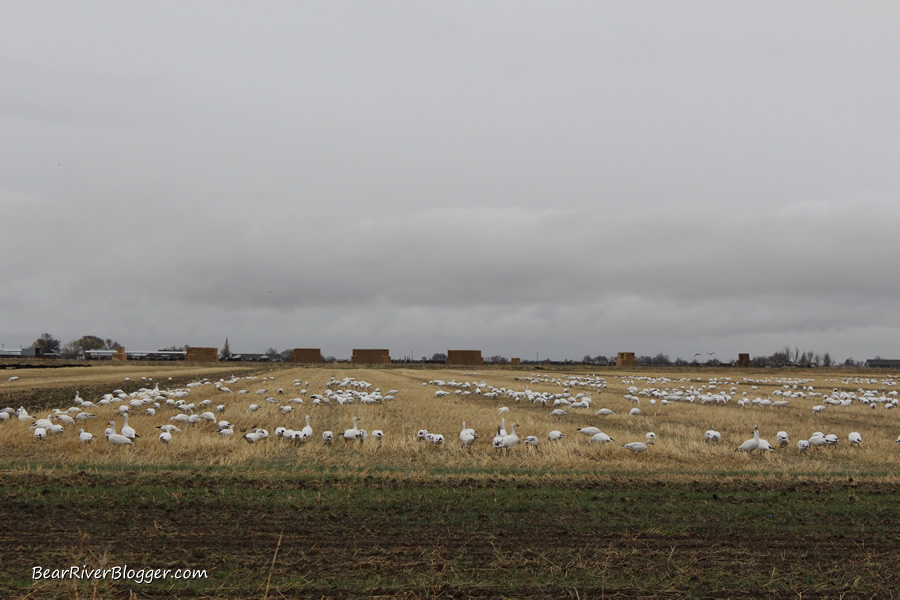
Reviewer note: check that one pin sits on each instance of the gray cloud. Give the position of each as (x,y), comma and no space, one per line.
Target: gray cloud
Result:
(522,178)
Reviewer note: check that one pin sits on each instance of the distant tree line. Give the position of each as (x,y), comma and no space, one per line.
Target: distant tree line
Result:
(50,345)
(780,358)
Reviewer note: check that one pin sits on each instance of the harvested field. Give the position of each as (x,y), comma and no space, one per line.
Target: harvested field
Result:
(404,518)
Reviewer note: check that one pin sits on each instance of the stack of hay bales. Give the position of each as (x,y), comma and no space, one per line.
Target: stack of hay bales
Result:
(515,361)
(195,354)
(626,359)
(307,355)
(743,361)
(120,354)
(371,356)
(464,357)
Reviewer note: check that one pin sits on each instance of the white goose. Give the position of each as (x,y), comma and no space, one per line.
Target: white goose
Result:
(117,439)
(127,431)
(467,436)
(307,431)
(855,439)
(601,438)
(555,436)
(353,433)
(638,447)
(752,444)
(510,440)
(85,437)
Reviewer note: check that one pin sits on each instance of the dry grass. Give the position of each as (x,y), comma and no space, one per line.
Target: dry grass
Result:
(679,449)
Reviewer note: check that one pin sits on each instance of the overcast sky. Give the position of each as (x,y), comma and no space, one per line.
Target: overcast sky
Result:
(546,179)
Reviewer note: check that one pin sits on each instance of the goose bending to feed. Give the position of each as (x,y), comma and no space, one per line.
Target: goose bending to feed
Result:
(603,412)
(327,436)
(752,444)
(378,434)
(85,437)
(40,433)
(855,439)
(531,440)
(712,435)
(555,436)
(803,445)
(165,437)
(589,431)
(638,447)
(782,439)
(601,438)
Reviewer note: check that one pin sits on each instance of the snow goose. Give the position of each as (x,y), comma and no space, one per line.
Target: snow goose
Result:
(604,412)
(601,438)
(117,439)
(752,444)
(782,439)
(85,437)
(712,435)
(467,435)
(510,440)
(40,433)
(589,431)
(555,436)
(637,447)
(327,436)
(803,445)
(531,440)
(353,432)
(854,438)
(165,437)
(127,431)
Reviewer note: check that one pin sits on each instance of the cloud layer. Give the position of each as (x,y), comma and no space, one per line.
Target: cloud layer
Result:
(518,178)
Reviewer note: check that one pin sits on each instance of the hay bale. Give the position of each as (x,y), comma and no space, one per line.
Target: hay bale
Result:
(626,359)
(515,361)
(743,361)
(370,356)
(200,354)
(120,354)
(307,355)
(464,357)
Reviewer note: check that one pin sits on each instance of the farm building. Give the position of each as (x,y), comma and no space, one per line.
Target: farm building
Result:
(883,363)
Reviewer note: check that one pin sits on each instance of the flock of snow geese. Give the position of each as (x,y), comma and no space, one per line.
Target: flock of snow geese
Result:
(348,391)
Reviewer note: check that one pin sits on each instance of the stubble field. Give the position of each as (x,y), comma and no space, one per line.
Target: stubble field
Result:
(407,518)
